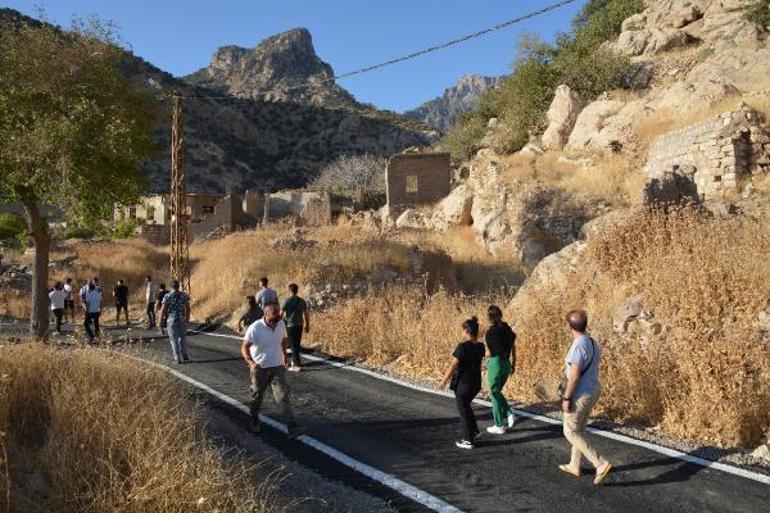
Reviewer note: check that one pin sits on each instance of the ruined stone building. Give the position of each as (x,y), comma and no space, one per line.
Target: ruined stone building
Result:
(715,154)
(415,179)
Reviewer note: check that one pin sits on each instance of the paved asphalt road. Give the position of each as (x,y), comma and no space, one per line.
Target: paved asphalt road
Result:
(410,435)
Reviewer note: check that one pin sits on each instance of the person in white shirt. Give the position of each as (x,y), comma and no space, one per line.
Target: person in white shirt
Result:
(69,301)
(57,296)
(265,295)
(150,293)
(93,306)
(264,350)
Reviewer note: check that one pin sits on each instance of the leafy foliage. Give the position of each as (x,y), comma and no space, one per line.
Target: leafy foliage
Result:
(13,228)
(577,59)
(759,14)
(73,129)
(125,228)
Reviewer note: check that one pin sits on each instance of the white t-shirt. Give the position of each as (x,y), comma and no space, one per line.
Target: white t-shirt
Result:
(68,291)
(265,343)
(57,298)
(93,301)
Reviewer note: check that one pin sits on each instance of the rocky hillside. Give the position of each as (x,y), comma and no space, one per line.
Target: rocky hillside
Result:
(283,67)
(265,144)
(464,96)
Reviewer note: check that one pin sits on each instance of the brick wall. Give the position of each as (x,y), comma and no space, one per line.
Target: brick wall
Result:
(417,179)
(716,153)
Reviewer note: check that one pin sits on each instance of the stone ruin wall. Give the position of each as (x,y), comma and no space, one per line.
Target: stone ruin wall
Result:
(414,179)
(715,153)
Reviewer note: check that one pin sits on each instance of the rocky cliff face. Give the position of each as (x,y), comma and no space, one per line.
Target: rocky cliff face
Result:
(283,67)
(442,112)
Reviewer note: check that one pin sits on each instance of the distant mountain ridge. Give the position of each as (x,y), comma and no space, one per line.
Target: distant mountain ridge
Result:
(269,144)
(464,96)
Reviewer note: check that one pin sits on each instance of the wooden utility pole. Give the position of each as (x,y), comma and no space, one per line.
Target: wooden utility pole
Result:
(180,247)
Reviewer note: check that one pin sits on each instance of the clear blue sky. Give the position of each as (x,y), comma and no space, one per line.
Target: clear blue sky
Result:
(179,36)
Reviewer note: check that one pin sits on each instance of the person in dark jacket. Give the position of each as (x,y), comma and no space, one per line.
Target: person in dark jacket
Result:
(465,373)
(501,363)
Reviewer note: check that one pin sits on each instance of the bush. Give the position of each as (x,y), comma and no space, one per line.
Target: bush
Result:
(13,228)
(350,172)
(759,14)
(576,59)
(125,228)
(77,232)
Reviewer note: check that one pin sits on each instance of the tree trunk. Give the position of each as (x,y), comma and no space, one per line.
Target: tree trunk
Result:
(38,227)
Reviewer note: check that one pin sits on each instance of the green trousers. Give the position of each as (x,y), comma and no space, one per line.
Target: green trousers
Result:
(498,370)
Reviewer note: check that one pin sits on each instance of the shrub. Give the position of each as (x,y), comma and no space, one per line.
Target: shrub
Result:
(74,231)
(125,228)
(759,14)
(576,59)
(350,172)
(13,228)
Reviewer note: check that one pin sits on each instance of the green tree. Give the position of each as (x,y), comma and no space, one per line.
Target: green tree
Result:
(73,130)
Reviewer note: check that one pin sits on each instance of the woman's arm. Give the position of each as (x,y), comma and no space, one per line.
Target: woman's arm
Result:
(513,359)
(449,371)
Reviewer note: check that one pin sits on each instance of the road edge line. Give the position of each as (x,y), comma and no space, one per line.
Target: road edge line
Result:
(666,451)
(388,480)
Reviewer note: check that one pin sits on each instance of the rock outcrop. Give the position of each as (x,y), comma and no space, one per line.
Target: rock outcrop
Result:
(443,112)
(283,67)
(562,115)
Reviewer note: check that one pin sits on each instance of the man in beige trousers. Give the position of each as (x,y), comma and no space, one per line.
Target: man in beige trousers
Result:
(581,395)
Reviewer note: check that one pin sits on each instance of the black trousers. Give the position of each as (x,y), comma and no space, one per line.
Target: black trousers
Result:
(294,334)
(57,313)
(464,396)
(151,314)
(92,317)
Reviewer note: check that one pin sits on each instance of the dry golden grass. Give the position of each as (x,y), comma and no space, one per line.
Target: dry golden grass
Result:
(707,375)
(105,434)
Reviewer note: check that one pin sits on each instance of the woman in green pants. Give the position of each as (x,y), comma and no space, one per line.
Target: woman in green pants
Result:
(501,363)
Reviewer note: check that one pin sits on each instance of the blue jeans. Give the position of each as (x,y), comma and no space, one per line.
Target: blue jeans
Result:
(177,335)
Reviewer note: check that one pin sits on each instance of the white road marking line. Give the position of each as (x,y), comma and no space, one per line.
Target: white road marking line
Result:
(392,482)
(673,453)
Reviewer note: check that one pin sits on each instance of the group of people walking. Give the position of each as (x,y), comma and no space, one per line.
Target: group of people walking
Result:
(579,391)
(270,327)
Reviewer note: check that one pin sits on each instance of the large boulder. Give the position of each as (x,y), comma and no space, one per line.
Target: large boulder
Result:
(561,115)
(455,209)
(591,121)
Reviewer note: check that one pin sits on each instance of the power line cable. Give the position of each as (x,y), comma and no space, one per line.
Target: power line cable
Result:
(410,56)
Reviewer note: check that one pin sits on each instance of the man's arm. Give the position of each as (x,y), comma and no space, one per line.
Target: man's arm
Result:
(187,311)
(573,376)
(306,315)
(163,309)
(246,354)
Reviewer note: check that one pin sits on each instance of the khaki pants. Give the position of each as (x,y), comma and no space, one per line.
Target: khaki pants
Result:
(575,430)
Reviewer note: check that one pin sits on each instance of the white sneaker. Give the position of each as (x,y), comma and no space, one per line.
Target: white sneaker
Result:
(464,444)
(496,430)
(511,420)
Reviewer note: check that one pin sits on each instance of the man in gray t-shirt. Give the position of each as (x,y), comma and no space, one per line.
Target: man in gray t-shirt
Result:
(265,295)
(581,394)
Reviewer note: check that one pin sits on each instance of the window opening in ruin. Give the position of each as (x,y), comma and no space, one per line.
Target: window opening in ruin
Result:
(718,178)
(208,210)
(412,185)
(132,212)
(150,213)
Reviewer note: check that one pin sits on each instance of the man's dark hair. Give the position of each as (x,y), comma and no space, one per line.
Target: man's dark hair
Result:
(148,277)
(175,284)
(96,280)
(120,282)
(263,281)
(252,301)
(162,286)
(68,280)
(495,314)
(293,288)
(578,320)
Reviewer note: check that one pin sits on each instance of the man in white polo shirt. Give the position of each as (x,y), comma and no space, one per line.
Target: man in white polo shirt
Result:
(264,350)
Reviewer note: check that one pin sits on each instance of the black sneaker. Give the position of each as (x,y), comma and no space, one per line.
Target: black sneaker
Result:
(295,432)
(464,444)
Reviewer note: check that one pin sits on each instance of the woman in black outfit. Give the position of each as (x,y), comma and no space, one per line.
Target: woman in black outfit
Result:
(465,372)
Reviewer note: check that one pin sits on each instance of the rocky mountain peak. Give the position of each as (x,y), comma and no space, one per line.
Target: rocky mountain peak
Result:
(283,67)
(442,112)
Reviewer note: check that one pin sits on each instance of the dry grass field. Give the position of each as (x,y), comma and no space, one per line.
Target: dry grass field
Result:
(74,440)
